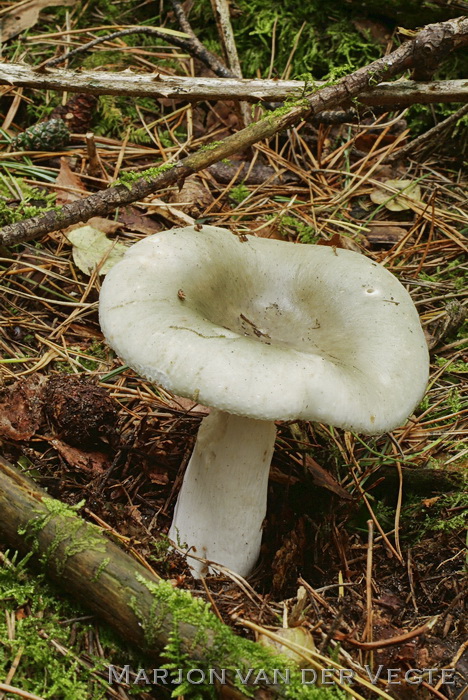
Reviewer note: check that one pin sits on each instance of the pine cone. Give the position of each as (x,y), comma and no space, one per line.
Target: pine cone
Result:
(51,135)
(77,113)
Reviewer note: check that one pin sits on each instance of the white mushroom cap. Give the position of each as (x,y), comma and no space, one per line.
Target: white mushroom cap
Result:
(268,329)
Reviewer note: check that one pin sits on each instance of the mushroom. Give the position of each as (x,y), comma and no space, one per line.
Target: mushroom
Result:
(259,330)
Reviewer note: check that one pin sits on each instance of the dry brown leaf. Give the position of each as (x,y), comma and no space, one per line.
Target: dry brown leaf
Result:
(429,502)
(20,18)
(105,225)
(134,220)
(385,234)
(269,229)
(184,404)
(339,241)
(173,214)
(68,185)
(157,474)
(21,408)
(194,197)
(94,463)
(324,479)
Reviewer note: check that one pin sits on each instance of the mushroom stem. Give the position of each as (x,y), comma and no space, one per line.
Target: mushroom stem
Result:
(223,499)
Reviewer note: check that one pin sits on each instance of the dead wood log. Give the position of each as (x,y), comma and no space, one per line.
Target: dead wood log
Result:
(401,93)
(433,39)
(147,612)
(421,481)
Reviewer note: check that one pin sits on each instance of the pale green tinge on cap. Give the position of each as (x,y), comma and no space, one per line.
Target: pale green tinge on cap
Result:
(268,329)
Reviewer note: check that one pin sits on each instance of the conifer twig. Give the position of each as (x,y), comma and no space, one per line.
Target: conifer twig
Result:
(453,32)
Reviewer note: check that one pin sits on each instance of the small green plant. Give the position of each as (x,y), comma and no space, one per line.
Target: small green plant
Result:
(446,513)
(33,201)
(40,635)
(239,193)
(289,224)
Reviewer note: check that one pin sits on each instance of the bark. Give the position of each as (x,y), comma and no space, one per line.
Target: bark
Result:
(96,572)
(421,481)
(401,93)
(434,38)
(226,34)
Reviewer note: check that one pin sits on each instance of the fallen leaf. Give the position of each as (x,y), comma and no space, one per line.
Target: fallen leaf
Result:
(264,229)
(172,213)
(136,221)
(68,185)
(429,502)
(20,18)
(295,635)
(184,404)
(91,246)
(105,225)
(385,234)
(339,241)
(94,463)
(394,202)
(194,197)
(324,479)
(157,475)
(21,408)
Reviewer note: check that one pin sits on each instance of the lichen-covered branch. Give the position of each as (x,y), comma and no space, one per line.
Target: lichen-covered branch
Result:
(401,93)
(454,32)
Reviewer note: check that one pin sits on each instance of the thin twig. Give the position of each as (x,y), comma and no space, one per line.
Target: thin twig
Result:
(102,203)
(430,138)
(199,50)
(392,641)
(226,34)
(192,47)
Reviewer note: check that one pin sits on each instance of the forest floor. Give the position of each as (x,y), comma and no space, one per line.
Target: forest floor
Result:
(374,529)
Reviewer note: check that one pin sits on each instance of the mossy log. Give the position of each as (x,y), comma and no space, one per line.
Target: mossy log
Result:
(420,481)
(167,624)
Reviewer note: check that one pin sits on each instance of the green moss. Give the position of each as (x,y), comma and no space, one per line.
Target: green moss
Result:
(210,146)
(50,665)
(75,532)
(170,138)
(239,193)
(328,39)
(219,644)
(33,201)
(128,179)
(102,566)
(447,513)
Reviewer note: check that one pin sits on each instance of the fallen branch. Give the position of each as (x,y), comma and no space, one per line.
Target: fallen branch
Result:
(162,621)
(453,33)
(400,93)
(191,45)
(431,138)
(221,11)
